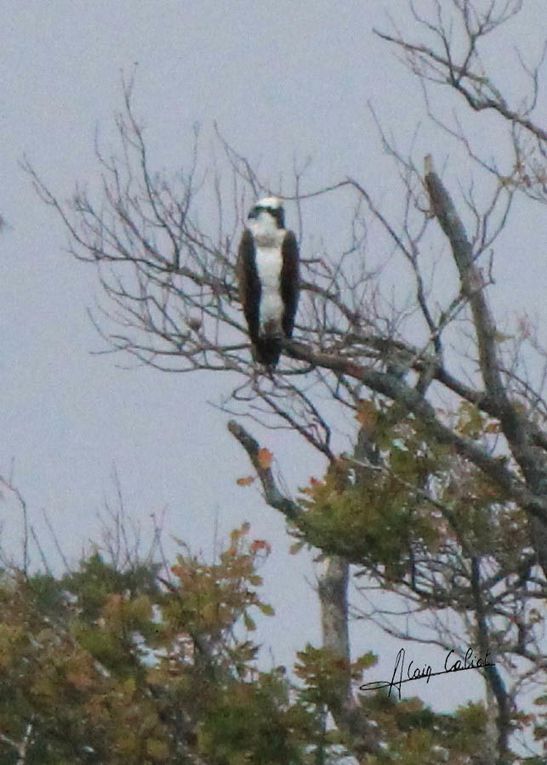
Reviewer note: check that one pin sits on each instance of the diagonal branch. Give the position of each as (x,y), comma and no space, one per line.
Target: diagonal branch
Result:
(272,494)
(412,401)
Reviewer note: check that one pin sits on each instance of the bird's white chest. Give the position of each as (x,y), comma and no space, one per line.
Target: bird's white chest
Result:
(268,265)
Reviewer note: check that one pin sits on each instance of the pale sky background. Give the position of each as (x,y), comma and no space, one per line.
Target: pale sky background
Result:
(282,79)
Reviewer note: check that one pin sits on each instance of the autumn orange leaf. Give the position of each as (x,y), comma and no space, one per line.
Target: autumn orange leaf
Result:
(265,458)
(246,480)
(261,544)
(80,680)
(367,416)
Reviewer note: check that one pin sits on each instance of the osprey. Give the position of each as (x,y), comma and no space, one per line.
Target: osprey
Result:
(268,279)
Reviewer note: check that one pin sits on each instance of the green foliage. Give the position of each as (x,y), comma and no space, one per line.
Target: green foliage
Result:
(380,515)
(96,581)
(259,718)
(118,666)
(324,673)
(419,736)
(370,515)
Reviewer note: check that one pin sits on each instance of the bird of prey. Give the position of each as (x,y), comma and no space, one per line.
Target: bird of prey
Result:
(268,275)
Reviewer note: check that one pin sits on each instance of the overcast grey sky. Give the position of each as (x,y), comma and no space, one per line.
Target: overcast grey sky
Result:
(282,79)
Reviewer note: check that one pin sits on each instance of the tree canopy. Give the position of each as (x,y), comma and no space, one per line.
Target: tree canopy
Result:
(440,503)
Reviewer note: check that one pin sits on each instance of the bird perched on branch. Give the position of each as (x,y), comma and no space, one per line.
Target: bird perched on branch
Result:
(268,275)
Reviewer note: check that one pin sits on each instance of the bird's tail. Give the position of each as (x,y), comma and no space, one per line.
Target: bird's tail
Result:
(267,351)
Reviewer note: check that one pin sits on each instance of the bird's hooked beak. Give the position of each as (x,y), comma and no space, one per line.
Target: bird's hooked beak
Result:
(252,214)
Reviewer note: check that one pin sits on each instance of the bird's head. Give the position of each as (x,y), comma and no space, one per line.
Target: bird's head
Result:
(266,217)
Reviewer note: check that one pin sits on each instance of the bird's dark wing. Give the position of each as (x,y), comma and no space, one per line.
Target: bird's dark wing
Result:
(290,281)
(249,283)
